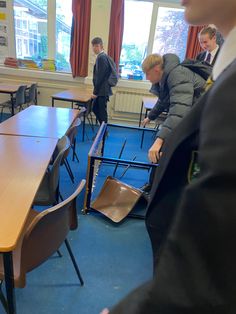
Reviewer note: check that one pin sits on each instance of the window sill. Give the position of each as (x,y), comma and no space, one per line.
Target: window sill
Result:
(39,74)
(67,77)
(127,83)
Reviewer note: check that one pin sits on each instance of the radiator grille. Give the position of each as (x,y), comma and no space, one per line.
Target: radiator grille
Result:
(129,101)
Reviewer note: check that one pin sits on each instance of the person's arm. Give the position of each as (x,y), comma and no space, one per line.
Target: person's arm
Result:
(102,72)
(156,110)
(196,269)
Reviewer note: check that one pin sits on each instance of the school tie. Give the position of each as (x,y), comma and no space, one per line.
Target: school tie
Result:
(208,58)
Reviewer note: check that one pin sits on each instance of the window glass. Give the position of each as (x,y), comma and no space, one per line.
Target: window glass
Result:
(31,29)
(135,38)
(171,32)
(31,32)
(63,34)
(168,34)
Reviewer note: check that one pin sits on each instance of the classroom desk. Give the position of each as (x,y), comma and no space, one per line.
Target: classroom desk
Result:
(40,121)
(24,161)
(147,103)
(11,89)
(76,95)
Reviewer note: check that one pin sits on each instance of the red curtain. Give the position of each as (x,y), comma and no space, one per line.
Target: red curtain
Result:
(193,46)
(116,30)
(81,10)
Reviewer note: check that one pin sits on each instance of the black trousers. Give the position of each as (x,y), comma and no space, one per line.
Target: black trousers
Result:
(100,108)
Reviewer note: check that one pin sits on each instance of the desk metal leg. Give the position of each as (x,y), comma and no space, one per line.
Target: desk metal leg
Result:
(140,116)
(12,105)
(142,138)
(83,130)
(52,102)
(9,282)
(36,97)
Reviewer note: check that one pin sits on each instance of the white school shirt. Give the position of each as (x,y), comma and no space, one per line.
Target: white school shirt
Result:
(226,55)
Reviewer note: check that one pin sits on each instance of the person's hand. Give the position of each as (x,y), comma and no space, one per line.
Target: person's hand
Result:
(145,121)
(154,153)
(93,96)
(105,311)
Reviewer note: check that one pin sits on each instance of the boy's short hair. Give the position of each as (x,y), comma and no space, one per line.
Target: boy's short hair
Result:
(151,61)
(97,41)
(211,31)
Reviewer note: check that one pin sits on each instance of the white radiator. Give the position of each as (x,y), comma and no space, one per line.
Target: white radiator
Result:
(128,101)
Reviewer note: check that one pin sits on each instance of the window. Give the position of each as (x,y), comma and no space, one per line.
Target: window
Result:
(63,31)
(163,30)
(135,38)
(171,32)
(32,31)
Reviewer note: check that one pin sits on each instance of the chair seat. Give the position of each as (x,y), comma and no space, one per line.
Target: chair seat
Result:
(116,199)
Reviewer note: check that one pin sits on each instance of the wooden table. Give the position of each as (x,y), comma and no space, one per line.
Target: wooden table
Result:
(40,121)
(82,96)
(24,161)
(11,89)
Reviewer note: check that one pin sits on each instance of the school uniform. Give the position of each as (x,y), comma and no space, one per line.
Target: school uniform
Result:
(102,89)
(191,217)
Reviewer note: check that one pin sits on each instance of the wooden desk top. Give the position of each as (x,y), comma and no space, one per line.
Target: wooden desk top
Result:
(76,94)
(11,87)
(40,121)
(149,102)
(24,161)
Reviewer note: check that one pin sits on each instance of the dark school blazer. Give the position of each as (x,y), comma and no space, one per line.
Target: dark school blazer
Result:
(101,72)
(196,271)
(202,55)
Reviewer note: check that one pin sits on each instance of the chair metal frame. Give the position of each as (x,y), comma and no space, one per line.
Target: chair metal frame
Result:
(95,157)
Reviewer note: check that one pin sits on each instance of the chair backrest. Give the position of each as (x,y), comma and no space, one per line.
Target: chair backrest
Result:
(32,94)
(62,148)
(47,232)
(73,130)
(20,96)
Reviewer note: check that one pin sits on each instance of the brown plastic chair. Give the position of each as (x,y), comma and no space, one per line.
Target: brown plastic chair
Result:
(48,192)
(116,199)
(43,234)
(71,134)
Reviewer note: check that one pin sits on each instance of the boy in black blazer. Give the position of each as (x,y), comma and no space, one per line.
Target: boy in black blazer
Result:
(102,89)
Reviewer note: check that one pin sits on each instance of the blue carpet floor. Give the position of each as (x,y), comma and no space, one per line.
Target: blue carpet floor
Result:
(113,258)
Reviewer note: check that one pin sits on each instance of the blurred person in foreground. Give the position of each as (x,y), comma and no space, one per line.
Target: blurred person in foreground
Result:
(195,270)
